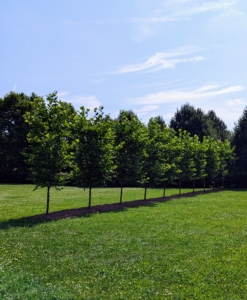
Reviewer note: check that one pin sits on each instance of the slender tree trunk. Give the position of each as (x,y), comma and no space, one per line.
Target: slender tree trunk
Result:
(121,194)
(90,197)
(145,192)
(164,191)
(204,183)
(48,200)
(179,186)
(193,186)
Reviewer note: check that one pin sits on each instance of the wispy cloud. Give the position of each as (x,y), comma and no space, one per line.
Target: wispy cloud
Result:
(97,81)
(14,88)
(161,60)
(147,108)
(210,6)
(235,102)
(190,10)
(173,96)
(25,48)
(90,102)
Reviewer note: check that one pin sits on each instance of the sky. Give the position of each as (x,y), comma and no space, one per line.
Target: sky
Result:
(150,56)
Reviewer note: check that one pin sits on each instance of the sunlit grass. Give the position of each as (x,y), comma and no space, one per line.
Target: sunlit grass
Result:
(188,248)
(18,201)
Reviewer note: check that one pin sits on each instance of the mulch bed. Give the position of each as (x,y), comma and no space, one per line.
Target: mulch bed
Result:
(76,212)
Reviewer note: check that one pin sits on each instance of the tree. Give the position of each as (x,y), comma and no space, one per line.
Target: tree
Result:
(160,121)
(226,156)
(50,129)
(130,149)
(186,163)
(154,161)
(200,160)
(217,128)
(239,141)
(13,136)
(94,155)
(190,119)
(213,159)
(196,122)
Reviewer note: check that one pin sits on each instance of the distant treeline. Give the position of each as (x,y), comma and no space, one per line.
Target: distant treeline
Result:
(49,143)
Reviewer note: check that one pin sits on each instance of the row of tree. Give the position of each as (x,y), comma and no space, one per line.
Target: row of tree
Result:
(52,143)
(96,150)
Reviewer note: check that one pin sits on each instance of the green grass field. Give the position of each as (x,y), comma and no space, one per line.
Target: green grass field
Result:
(18,201)
(187,248)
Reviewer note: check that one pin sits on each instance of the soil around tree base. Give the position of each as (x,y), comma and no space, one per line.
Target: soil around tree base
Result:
(77,212)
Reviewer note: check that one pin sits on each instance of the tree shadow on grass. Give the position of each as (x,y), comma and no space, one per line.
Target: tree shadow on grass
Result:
(88,212)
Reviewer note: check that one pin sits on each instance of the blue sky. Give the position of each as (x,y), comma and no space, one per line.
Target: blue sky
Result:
(150,56)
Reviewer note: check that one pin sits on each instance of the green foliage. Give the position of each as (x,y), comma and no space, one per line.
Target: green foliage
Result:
(124,149)
(190,119)
(94,154)
(186,164)
(158,160)
(50,128)
(196,122)
(240,143)
(217,128)
(130,149)
(200,158)
(160,120)
(130,145)
(13,140)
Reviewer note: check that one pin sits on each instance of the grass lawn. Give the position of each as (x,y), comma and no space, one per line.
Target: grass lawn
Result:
(188,248)
(18,201)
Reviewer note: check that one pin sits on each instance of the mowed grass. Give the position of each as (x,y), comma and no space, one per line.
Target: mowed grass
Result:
(18,201)
(188,248)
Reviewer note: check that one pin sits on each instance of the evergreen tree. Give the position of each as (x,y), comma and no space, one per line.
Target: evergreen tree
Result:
(240,143)
(13,136)
(190,119)
(217,127)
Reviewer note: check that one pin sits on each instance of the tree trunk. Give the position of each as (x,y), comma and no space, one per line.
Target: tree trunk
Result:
(179,186)
(223,183)
(164,191)
(121,194)
(193,186)
(145,193)
(48,200)
(204,183)
(90,197)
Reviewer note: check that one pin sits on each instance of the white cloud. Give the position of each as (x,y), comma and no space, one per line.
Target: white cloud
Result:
(63,95)
(190,10)
(208,97)
(236,102)
(96,81)
(161,60)
(14,88)
(210,6)
(90,102)
(172,96)
(147,108)
(228,110)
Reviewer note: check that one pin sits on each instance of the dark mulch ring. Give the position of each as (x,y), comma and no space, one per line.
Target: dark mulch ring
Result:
(76,212)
